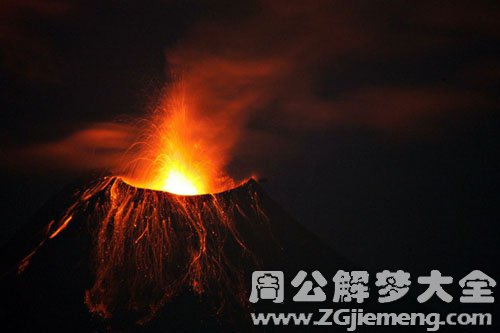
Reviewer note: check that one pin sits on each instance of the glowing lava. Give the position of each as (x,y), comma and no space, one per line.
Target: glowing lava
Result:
(178,151)
(149,245)
(179,183)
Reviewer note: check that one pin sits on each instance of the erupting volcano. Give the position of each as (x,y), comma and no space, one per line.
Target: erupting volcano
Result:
(148,244)
(126,248)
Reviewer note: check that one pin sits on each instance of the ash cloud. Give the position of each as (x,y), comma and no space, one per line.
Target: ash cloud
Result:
(287,68)
(264,74)
(96,146)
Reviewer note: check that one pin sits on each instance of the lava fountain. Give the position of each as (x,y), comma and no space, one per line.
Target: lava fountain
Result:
(178,151)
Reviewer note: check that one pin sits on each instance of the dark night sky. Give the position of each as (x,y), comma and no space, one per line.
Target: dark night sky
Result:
(375,122)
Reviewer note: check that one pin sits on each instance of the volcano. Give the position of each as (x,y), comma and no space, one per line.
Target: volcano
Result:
(105,255)
(167,242)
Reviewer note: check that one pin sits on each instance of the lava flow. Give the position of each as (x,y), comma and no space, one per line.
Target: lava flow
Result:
(150,245)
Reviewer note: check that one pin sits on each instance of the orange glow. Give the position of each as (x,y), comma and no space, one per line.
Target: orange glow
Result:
(176,152)
(61,228)
(149,245)
(180,183)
